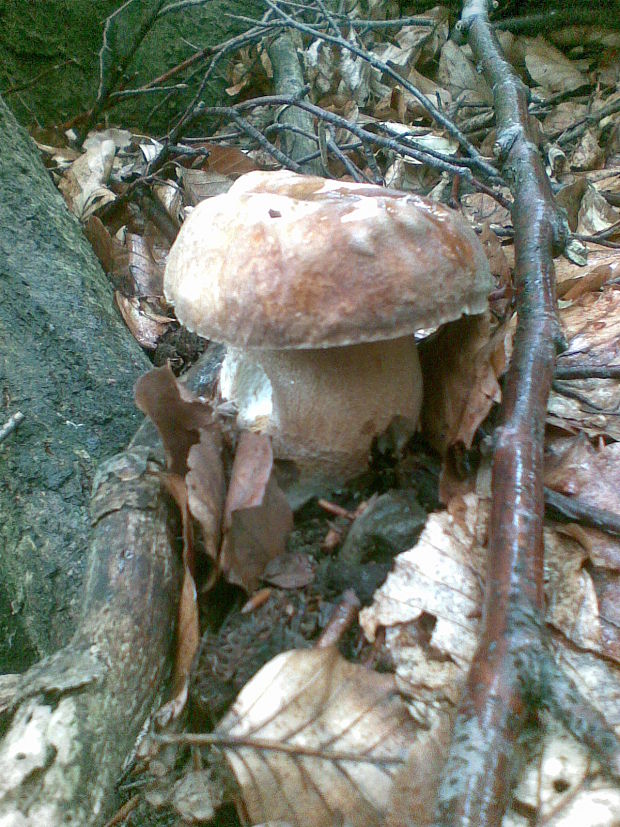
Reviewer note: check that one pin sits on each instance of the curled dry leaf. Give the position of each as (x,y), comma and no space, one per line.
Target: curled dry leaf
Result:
(595,214)
(188,627)
(461,365)
(177,415)
(206,487)
(573,467)
(328,738)
(146,328)
(257,516)
(421,41)
(84,183)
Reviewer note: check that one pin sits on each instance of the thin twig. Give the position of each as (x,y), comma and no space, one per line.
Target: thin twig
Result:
(10,425)
(206,739)
(569,372)
(578,511)
(487,169)
(452,166)
(341,619)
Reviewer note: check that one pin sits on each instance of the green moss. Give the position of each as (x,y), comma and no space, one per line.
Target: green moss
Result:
(49,55)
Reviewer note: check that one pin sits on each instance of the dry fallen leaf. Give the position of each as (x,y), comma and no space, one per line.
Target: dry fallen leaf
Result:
(592,328)
(188,626)
(430,608)
(177,414)
(84,183)
(145,326)
(257,516)
(461,365)
(549,67)
(595,214)
(206,487)
(458,75)
(343,732)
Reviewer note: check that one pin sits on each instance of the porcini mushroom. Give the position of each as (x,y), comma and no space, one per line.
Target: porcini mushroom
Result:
(317,288)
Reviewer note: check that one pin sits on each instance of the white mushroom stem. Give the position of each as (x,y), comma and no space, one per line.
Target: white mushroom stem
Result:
(324,407)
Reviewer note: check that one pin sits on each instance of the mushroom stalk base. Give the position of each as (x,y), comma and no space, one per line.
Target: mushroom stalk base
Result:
(323,407)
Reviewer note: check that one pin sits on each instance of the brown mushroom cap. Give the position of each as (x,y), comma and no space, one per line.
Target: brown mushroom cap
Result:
(292,261)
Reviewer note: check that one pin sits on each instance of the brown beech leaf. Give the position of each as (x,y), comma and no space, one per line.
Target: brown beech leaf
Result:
(105,246)
(460,365)
(227,160)
(206,487)
(188,629)
(575,468)
(345,730)
(145,326)
(145,261)
(176,413)
(549,67)
(574,280)
(257,516)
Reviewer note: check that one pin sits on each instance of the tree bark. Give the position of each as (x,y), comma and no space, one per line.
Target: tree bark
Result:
(68,364)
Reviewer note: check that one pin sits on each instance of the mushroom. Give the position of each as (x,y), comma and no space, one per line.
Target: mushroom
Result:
(317,288)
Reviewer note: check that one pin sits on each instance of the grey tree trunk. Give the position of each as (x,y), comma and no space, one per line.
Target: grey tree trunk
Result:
(67,362)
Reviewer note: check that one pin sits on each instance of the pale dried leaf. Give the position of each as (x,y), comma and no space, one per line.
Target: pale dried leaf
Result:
(592,328)
(549,67)
(168,193)
(439,576)
(204,183)
(146,330)
(423,43)
(431,90)
(458,74)
(588,153)
(351,728)
(430,608)
(480,208)
(574,467)
(595,214)
(144,260)
(121,138)
(206,487)
(84,183)
(562,116)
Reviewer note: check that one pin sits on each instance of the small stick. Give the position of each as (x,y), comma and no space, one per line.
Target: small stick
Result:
(336,510)
(578,511)
(121,814)
(343,617)
(11,424)
(585,371)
